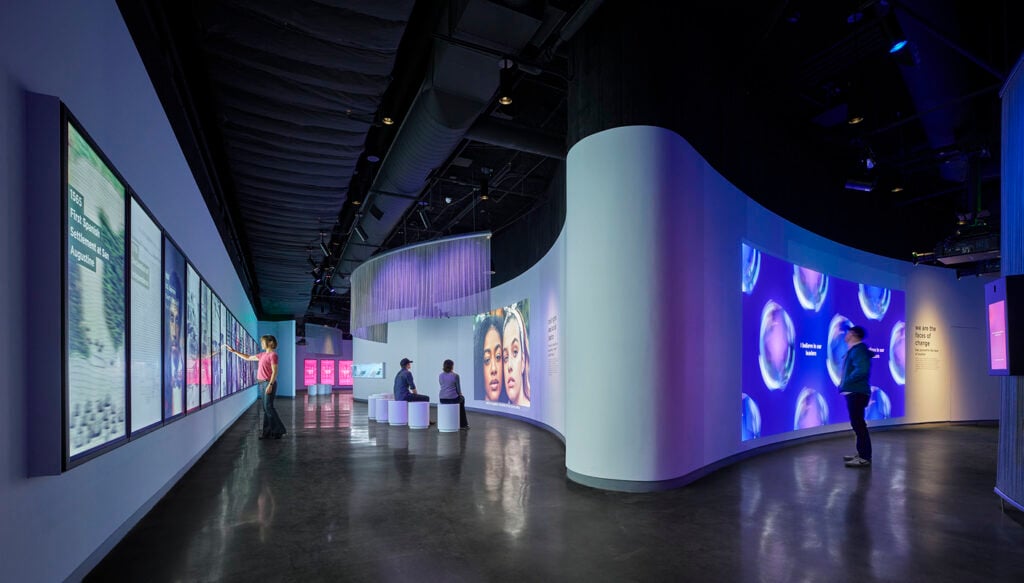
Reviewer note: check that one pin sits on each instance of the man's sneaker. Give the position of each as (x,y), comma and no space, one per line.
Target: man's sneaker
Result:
(849,458)
(858,462)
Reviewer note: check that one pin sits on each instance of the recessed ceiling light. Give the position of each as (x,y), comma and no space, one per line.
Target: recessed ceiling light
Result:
(388,121)
(855,120)
(356,202)
(897,189)
(373,159)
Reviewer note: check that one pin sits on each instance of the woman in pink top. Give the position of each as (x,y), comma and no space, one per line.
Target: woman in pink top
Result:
(267,377)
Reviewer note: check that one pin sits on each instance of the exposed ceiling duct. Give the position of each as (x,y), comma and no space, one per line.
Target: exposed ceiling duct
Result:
(460,84)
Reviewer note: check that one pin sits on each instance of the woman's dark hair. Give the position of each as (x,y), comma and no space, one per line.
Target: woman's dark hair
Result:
(448,366)
(270,340)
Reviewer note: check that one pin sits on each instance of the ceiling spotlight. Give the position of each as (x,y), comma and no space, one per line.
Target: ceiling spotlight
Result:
(388,121)
(897,189)
(447,200)
(855,119)
(356,202)
(373,159)
(508,71)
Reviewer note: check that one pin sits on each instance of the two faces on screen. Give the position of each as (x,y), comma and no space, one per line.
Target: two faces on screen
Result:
(506,358)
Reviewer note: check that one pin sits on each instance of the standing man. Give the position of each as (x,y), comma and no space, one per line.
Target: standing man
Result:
(855,387)
(405,389)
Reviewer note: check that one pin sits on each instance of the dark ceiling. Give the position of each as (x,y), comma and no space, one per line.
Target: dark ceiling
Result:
(280,108)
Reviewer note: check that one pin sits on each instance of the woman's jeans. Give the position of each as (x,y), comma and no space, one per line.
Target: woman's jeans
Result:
(272,425)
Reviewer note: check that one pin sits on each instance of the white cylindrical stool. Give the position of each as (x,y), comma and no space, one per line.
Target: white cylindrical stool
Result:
(382,410)
(447,418)
(371,408)
(398,412)
(419,415)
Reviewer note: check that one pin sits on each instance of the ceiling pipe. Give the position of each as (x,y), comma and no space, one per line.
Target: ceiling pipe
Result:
(513,136)
(460,84)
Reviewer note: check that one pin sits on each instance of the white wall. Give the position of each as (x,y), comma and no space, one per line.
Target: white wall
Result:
(644,283)
(429,342)
(81,52)
(681,266)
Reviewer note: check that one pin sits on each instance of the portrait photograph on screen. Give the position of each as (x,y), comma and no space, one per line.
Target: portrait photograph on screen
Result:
(501,361)
(205,346)
(174,331)
(95,299)
(794,324)
(146,306)
(193,324)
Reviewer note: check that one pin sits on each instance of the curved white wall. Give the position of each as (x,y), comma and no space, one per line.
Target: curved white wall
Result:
(672,264)
(642,374)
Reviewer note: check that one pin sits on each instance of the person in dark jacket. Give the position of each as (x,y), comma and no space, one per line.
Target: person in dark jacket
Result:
(857,390)
(405,388)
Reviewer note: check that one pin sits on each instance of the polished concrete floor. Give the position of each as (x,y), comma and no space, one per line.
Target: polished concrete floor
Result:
(340,499)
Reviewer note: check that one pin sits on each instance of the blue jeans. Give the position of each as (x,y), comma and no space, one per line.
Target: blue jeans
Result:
(272,425)
(855,404)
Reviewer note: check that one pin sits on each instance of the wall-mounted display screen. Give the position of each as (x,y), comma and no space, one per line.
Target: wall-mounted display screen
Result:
(174,330)
(192,344)
(794,323)
(501,355)
(95,299)
(327,372)
(344,373)
(130,292)
(997,335)
(146,304)
(369,370)
(309,371)
(218,341)
(205,347)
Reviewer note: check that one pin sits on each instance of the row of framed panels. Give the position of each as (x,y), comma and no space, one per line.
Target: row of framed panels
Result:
(144,334)
(324,372)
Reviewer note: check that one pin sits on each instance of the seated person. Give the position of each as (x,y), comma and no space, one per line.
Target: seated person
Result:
(405,388)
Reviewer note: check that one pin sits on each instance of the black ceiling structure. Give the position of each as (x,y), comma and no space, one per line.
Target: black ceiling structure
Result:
(322,132)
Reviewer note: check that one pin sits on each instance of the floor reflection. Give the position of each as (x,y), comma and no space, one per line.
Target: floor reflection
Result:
(331,411)
(342,498)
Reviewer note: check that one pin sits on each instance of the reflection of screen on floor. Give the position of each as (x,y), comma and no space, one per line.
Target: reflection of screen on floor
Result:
(794,325)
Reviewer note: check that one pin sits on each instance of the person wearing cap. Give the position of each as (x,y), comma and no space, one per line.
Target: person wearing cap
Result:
(405,388)
(857,390)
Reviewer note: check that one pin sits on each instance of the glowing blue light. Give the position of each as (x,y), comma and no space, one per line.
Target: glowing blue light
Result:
(897,46)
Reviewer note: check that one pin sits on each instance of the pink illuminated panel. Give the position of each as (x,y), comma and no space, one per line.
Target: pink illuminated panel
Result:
(327,372)
(309,371)
(997,334)
(345,373)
